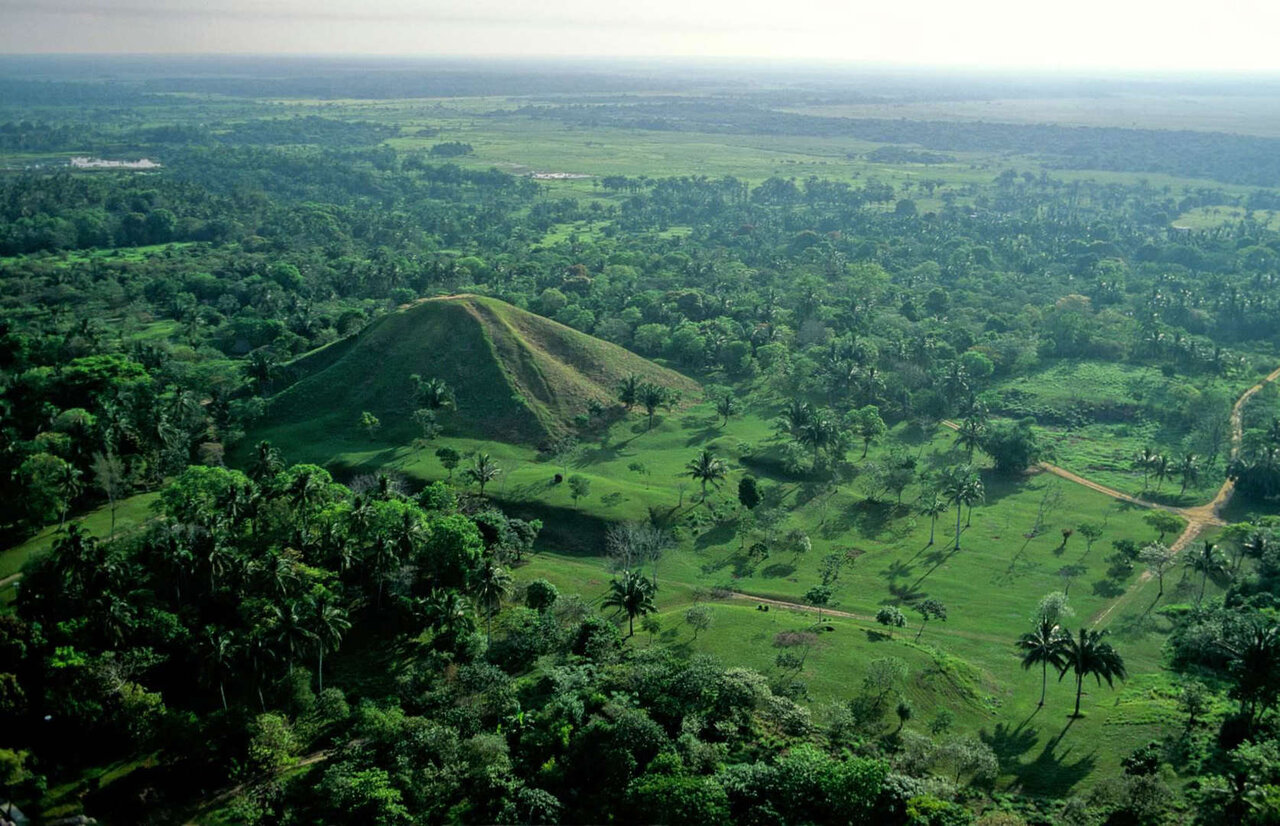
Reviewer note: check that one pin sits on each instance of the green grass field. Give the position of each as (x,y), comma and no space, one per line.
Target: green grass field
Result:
(130,513)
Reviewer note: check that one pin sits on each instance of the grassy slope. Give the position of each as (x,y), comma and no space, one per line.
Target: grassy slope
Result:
(130,513)
(517,377)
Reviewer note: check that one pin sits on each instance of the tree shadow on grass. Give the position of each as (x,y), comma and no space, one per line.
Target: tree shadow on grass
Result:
(1009,744)
(778,570)
(1107,589)
(1052,773)
(718,535)
(870,519)
(935,560)
(905,593)
(597,454)
(1131,627)
(704,437)
(742,563)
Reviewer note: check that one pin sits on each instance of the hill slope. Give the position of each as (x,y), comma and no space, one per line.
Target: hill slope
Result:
(517,377)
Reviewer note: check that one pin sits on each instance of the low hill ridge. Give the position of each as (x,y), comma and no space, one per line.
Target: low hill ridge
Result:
(517,377)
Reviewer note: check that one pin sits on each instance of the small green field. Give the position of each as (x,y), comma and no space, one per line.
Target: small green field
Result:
(130,513)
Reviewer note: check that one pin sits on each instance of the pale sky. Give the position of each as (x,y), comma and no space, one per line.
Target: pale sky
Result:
(1163,35)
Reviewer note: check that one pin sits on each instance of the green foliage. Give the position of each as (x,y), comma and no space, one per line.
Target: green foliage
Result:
(1013,446)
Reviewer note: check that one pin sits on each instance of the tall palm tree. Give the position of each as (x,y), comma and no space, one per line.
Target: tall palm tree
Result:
(1189,469)
(483,471)
(382,560)
(492,584)
(289,632)
(633,593)
(1145,460)
(629,391)
(1161,468)
(707,470)
(652,396)
(75,559)
(218,652)
(1090,654)
(970,435)
(1044,646)
(69,487)
(726,406)
(1256,546)
(961,486)
(327,622)
(794,417)
(444,611)
(260,655)
(1255,666)
(267,462)
(933,505)
(1207,561)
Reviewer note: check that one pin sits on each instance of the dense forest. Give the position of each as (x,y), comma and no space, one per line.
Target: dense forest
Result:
(266,640)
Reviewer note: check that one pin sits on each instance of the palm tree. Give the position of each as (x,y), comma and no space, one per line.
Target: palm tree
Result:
(933,505)
(327,622)
(1090,654)
(260,655)
(1161,468)
(69,487)
(218,654)
(633,593)
(445,611)
(262,366)
(1189,468)
(1208,561)
(970,435)
(75,559)
(961,486)
(706,469)
(433,393)
(794,417)
(482,471)
(492,584)
(817,433)
(652,396)
(289,631)
(267,462)
(382,561)
(629,391)
(1145,460)
(726,406)
(1256,546)
(1044,646)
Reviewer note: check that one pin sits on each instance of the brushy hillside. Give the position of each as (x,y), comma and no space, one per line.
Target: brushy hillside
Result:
(517,377)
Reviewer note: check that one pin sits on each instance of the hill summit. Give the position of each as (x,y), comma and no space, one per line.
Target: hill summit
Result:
(516,376)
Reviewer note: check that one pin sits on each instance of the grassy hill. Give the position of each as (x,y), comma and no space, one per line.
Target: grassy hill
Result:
(517,377)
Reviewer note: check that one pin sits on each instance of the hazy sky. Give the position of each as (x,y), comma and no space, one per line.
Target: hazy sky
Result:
(1230,35)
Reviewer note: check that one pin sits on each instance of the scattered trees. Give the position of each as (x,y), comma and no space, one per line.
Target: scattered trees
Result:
(1045,646)
(483,470)
(632,593)
(706,469)
(1089,654)
(1158,558)
(930,609)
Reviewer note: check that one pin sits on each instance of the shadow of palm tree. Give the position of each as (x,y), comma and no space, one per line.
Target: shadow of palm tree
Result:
(1009,744)
(1052,773)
